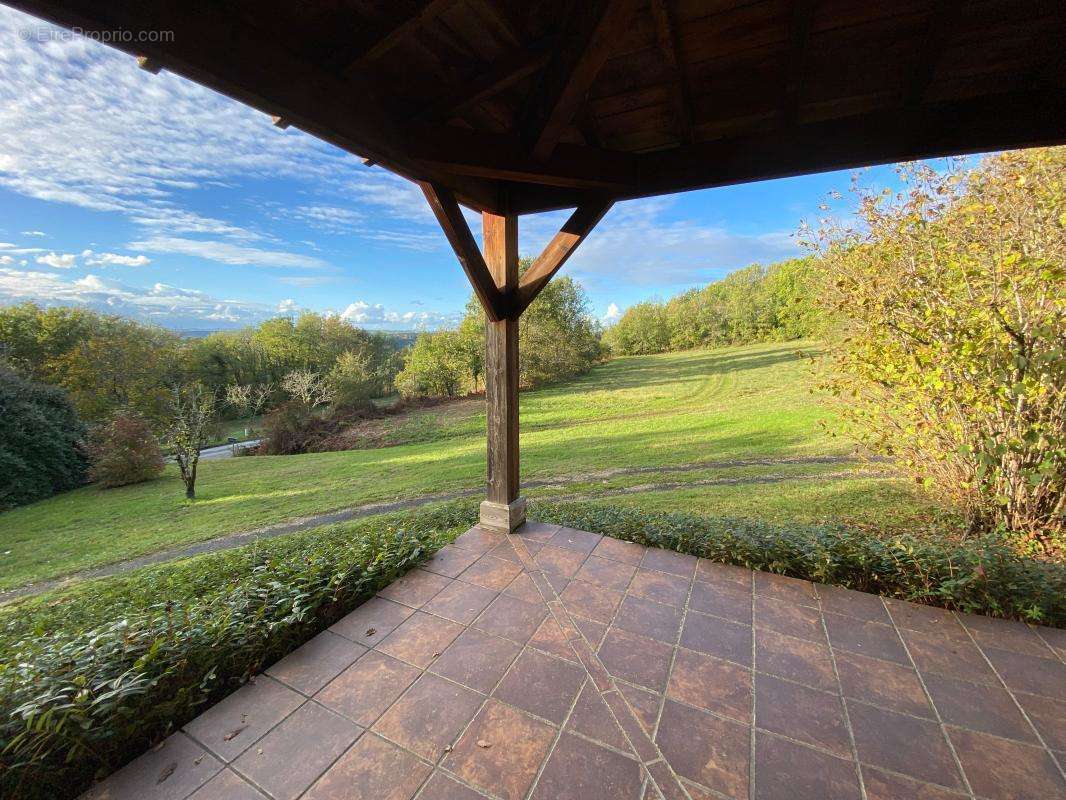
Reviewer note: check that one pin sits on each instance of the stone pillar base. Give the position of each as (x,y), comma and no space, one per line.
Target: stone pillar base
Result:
(503,518)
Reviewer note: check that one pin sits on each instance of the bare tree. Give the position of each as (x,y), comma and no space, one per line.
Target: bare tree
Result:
(249,398)
(193,412)
(308,387)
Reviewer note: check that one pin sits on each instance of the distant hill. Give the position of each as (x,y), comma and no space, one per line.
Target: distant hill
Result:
(400,339)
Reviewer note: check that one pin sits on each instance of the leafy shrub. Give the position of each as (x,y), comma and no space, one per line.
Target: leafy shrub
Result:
(124,451)
(952,305)
(92,681)
(40,441)
(980,575)
(292,428)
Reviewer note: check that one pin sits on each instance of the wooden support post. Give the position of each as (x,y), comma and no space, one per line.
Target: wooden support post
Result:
(504,510)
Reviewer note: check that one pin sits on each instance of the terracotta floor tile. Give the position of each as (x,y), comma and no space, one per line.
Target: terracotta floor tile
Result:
(617,550)
(491,573)
(710,751)
(511,618)
(678,564)
(541,685)
(634,658)
(718,637)
(524,588)
(853,604)
(592,630)
(441,787)
(713,572)
(979,707)
(886,786)
(798,712)
(1004,634)
(904,744)
(1055,639)
(660,586)
(1049,717)
(1003,770)
(1029,674)
(865,638)
(798,660)
(429,716)
(310,667)
(550,638)
(606,573)
(415,589)
(925,619)
(645,704)
(368,687)
(790,619)
(506,551)
(501,751)
(372,621)
(782,587)
(449,561)
(560,560)
(785,770)
(711,684)
(420,639)
(627,719)
(946,656)
(476,659)
(572,539)
(537,531)
(236,723)
(728,600)
(373,768)
(293,755)
(883,683)
(579,769)
(478,540)
(591,601)
(186,764)
(648,618)
(460,602)
(227,785)
(592,718)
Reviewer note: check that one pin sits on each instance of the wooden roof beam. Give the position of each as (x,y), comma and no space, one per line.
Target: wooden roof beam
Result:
(559,249)
(386,38)
(592,29)
(504,72)
(666,38)
(795,62)
(937,29)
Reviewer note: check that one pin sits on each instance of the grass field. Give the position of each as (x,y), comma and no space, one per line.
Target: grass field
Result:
(667,411)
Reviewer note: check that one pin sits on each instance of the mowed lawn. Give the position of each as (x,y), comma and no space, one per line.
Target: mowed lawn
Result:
(655,411)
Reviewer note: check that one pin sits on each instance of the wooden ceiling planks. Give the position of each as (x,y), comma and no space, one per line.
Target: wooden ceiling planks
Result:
(521,105)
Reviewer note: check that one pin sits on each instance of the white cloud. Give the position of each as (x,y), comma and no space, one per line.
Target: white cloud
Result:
(613,313)
(34,233)
(227,253)
(6,260)
(333,219)
(287,306)
(377,316)
(64,261)
(103,259)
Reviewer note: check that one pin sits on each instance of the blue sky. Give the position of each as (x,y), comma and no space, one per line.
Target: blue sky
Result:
(150,196)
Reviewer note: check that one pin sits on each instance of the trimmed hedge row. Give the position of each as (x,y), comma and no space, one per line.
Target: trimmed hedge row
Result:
(979,575)
(84,688)
(94,675)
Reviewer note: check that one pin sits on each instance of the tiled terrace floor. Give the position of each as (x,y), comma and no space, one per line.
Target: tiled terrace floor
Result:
(558,664)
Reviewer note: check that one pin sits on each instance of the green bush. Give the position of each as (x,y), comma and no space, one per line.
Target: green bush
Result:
(979,575)
(124,451)
(40,441)
(91,678)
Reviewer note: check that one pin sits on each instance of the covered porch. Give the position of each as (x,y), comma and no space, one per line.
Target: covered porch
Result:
(557,663)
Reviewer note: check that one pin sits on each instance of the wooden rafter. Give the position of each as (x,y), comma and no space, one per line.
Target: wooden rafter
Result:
(386,38)
(559,249)
(446,209)
(666,38)
(506,71)
(795,62)
(591,32)
(937,29)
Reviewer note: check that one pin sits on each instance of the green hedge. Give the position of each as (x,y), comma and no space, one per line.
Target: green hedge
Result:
(980,575)
(93,675)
